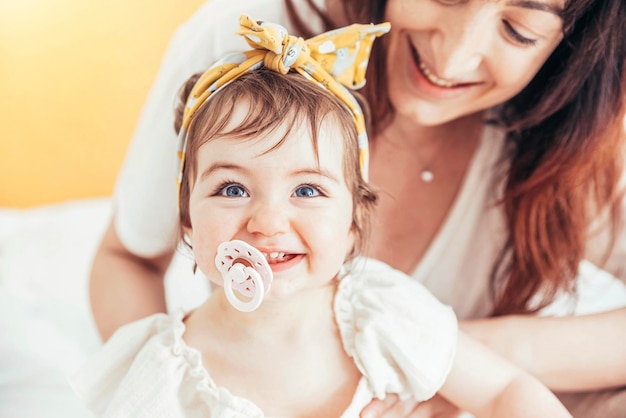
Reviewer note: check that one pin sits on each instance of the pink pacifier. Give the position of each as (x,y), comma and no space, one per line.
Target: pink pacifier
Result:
(245,270)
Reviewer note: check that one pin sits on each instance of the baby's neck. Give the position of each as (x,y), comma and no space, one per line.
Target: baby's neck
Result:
(287,357)
(292,319)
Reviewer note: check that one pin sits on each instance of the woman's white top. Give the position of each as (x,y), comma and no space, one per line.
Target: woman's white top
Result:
(457,266)
(402,340)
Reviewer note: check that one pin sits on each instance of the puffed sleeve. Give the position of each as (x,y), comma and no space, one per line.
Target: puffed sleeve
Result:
(400,336)
(98,380)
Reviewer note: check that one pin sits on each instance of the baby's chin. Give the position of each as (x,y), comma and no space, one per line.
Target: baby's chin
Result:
(286,290)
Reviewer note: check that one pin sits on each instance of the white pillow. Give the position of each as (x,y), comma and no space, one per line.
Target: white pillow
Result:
(45,320)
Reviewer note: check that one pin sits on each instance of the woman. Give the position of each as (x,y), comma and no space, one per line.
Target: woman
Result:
(497,140)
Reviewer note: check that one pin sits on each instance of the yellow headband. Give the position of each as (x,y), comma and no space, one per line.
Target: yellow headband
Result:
(335,60)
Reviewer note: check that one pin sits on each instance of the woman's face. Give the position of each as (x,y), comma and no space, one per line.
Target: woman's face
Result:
(452,58)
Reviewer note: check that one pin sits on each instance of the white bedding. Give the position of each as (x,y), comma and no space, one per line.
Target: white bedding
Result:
(46,328)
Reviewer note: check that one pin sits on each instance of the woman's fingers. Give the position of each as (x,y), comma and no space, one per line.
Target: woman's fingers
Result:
(435,407)
(378,407)
(393,407)
(390,407)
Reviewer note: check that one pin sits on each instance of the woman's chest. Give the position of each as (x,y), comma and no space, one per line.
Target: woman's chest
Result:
(413,208)
(409,215)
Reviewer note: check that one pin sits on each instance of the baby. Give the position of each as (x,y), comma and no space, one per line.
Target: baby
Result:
(274,204)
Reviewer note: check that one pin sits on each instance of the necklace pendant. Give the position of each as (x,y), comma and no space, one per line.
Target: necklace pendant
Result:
(427,176)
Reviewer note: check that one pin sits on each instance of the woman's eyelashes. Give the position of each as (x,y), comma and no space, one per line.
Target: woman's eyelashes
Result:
(511,32)
(516,36)
(451,2)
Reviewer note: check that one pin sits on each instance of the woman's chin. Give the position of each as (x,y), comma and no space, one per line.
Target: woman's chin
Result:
(425,114)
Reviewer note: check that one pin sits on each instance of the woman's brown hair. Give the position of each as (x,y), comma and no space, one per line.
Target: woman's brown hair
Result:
(567,142)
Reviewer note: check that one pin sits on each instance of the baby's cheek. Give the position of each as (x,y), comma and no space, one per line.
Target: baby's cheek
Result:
(204,255)
(207,266)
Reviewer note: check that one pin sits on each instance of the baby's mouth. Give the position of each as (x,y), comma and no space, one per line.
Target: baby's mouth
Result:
(277,257)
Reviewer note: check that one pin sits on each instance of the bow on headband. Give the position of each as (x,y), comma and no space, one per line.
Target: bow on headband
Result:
(335,60)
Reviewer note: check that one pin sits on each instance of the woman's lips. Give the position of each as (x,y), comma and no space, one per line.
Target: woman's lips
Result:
(427,79)
(433,78)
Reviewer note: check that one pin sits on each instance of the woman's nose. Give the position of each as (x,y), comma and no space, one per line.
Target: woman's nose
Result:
(461,46)
(268,219)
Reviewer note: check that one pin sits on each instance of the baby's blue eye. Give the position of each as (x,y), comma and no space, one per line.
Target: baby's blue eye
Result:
(234,190)
(306,191)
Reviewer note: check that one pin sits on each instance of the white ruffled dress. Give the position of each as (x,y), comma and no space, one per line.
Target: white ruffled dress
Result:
(401,338)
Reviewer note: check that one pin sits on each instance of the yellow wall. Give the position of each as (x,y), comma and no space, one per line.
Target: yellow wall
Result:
(73,77)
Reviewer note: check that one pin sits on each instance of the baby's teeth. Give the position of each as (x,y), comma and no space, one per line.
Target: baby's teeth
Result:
(275,255)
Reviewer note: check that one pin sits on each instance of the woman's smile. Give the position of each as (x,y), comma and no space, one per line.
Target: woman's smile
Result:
(429,83)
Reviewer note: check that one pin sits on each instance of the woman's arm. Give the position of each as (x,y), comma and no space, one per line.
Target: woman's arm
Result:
(571,353)
(576,353)
(124,287)
(485,384)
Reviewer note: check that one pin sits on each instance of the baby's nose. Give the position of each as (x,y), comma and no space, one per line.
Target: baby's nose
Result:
(269,218)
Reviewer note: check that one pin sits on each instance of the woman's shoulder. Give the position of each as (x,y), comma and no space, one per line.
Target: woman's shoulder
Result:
(211,29)
(401,337)
(221,18)
(146,369)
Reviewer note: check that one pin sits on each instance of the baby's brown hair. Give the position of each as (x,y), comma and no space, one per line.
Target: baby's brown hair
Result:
(275,100)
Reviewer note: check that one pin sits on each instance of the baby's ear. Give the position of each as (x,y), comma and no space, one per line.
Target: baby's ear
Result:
(184,222)
(187,232)
(354,236)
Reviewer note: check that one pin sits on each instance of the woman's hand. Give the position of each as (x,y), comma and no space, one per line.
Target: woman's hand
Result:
(393,407)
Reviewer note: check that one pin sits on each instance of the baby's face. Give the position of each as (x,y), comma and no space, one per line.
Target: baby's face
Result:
(281,201)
